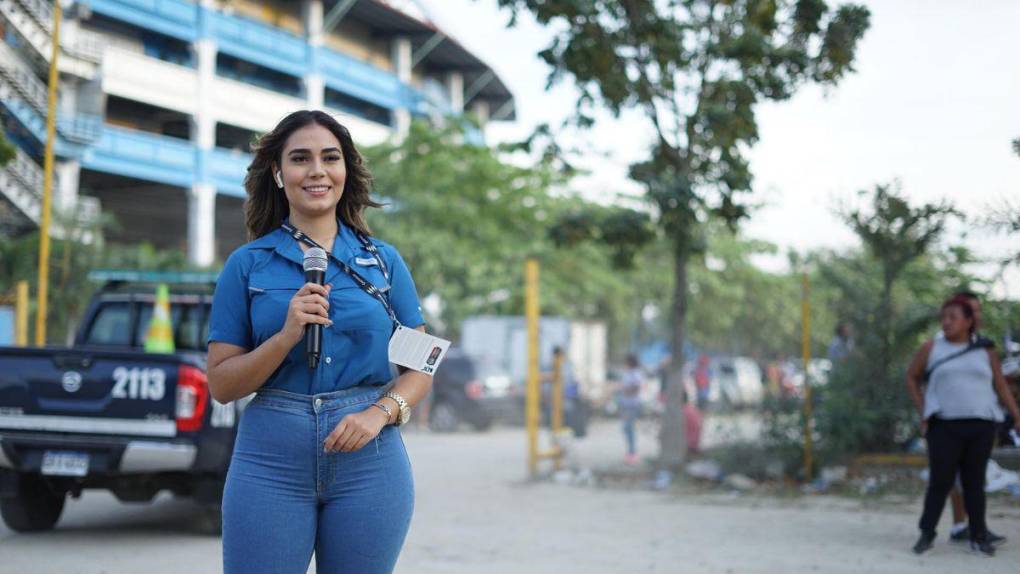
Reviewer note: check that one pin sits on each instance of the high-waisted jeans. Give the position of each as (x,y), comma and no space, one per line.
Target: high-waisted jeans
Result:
(285,496)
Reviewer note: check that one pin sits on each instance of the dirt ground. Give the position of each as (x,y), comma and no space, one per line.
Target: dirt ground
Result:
(477,512)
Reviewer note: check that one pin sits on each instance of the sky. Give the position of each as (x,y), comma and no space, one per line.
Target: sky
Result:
(934,105)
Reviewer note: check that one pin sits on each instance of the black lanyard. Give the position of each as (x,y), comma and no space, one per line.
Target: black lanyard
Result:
(365,284)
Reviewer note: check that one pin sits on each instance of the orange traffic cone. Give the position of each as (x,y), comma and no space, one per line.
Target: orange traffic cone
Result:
(160,337)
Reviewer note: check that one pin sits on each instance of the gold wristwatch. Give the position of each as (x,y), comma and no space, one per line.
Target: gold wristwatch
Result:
(405,409)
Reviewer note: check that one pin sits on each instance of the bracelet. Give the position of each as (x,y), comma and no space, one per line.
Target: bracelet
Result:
(385,409)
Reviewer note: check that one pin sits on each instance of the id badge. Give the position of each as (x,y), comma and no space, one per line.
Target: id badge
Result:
(416,350)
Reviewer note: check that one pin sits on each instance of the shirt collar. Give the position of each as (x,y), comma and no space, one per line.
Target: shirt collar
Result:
(346,248)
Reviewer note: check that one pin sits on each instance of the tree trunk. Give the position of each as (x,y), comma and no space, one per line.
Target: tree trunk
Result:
(672,442)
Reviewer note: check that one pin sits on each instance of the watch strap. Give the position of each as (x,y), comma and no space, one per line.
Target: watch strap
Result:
(405,410)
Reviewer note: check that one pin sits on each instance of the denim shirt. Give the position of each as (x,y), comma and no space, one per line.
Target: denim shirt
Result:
(260,278)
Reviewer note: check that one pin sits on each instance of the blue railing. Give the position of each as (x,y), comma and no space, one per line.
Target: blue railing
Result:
(364,81)
(141,155)
(176,18)
(163,159)
(259,43)
(265,45)
(227,169)
(79,128)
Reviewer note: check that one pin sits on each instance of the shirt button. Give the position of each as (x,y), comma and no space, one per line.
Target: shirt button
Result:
(328,360)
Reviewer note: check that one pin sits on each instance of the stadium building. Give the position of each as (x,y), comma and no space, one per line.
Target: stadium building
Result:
(159,100)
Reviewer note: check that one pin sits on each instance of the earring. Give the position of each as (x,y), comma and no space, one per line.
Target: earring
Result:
(279,180)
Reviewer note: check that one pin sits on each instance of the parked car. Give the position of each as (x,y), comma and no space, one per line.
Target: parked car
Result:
(105,414)
(739,382)
(460,396)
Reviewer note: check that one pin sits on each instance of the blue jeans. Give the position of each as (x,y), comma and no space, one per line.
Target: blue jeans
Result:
(630,412)
(286,497)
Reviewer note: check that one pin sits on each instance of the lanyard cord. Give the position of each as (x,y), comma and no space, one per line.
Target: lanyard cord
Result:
(363,283)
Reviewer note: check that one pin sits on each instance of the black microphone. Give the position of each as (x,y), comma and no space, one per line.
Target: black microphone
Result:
(315,272)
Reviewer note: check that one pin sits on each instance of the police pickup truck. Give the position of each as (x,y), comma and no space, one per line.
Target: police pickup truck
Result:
(105,414)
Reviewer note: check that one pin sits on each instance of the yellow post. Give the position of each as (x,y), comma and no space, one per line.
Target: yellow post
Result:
(531,314)
(44,225)
(21,314)
(806,350)
(557,403)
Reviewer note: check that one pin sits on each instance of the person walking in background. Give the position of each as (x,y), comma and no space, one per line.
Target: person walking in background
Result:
(575,407)
(319,464)
(842,344)
(630,406)
(703,380)
(692,424)
(959,410)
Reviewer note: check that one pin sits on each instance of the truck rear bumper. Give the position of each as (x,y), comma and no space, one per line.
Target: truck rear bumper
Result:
(23,453)
(89,425)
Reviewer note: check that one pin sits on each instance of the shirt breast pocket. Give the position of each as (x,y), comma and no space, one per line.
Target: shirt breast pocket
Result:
(268,309)
(350,308)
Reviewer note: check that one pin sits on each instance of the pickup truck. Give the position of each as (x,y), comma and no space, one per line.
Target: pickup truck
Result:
(105,414)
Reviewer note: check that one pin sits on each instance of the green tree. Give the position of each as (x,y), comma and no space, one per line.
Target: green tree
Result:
(463,219)
(889,293)
(80,248)
(1005,217)
(696,69)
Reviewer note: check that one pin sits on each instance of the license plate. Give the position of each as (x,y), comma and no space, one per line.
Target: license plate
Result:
(57,463)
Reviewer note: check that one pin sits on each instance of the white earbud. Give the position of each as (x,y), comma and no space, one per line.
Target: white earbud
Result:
(279,179)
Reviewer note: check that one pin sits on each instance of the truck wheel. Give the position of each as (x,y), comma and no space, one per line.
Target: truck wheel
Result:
(443,418)
(210,520)
(482,423)
(35,508)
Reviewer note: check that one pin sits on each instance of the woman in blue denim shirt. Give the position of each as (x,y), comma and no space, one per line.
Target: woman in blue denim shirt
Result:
(319,464)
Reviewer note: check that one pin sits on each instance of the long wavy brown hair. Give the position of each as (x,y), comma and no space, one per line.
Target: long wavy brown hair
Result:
(267,205)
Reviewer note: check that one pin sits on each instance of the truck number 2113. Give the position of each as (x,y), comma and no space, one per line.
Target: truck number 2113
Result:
(139,383)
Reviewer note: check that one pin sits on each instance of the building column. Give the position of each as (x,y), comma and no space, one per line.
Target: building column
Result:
(402,54)
(315,86)
(202,195)
(67,174)
(482,111)
(202,224)
(455,89)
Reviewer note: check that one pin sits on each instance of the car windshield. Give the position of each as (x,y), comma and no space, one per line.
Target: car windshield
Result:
(116,325)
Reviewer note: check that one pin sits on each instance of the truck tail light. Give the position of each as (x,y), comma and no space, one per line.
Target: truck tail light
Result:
(474,390)
(192,398)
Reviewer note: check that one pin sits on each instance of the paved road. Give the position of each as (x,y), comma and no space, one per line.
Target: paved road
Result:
(476,513)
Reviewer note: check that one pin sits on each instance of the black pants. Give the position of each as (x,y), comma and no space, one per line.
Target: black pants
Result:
(958,446)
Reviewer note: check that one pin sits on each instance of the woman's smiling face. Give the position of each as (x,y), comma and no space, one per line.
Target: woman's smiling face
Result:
(312,170)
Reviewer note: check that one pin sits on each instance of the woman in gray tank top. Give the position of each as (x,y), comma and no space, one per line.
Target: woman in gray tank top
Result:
(959,410)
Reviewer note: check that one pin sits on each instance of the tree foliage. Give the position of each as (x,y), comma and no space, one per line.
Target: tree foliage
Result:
(696,69)
(465,219)
(81,249)
(890,293)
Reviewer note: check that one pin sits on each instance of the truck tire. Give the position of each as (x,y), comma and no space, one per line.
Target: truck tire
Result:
(482,423)
(34,509)
(210,520)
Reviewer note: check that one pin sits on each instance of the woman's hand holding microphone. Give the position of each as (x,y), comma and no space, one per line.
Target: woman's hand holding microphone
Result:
(308,306)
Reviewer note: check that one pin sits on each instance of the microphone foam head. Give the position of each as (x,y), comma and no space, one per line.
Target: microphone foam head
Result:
(315,259)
